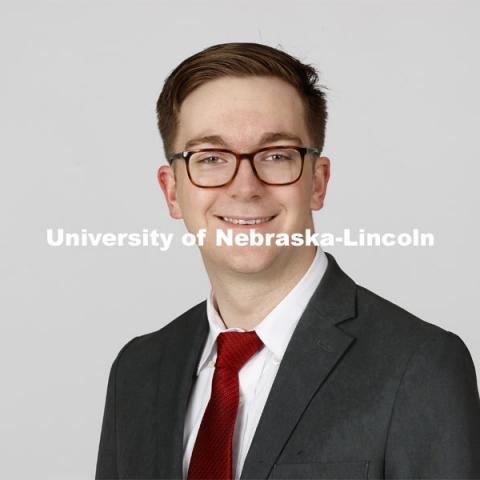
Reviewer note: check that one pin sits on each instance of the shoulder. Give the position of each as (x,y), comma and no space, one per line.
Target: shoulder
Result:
(149,347)
(377,323)
(383,315)
(386,326)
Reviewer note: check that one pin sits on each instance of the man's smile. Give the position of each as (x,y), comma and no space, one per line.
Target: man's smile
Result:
(246,221)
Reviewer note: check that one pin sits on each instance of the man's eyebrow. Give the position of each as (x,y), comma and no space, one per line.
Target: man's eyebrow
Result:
(267,137)
(213,139)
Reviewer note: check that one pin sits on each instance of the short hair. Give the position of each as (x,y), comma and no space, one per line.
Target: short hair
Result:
(240,60)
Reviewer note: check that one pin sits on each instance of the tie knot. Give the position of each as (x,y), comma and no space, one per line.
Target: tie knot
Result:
(235,348)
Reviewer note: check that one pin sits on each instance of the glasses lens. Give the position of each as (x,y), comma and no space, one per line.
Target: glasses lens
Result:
(278,165)
(211,169)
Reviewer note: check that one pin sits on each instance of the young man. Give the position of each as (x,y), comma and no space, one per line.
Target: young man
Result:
(289,369)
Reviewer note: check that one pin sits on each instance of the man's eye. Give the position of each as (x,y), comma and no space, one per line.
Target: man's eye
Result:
(277,157)
(210,160)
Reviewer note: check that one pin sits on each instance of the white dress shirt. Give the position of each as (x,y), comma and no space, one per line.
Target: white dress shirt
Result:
(257,375)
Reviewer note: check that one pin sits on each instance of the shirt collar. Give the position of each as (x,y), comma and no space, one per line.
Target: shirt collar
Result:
(286,314)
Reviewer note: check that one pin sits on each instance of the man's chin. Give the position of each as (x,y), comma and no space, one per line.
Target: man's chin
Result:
(247,260)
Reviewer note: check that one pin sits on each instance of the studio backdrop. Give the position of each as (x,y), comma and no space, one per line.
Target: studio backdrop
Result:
(80,150)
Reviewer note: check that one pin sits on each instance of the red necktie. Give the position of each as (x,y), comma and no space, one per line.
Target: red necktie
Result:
(212,453)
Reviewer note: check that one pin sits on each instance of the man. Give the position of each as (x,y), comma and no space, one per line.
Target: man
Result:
(289,369)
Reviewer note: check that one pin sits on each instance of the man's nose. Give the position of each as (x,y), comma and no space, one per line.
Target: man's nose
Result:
(245,184)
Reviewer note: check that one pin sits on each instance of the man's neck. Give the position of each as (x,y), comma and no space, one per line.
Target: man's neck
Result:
(243,301)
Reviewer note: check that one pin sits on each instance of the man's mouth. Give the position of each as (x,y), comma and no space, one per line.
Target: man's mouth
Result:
(246,221)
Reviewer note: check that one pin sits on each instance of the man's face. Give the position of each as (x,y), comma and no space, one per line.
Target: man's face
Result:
(241,111)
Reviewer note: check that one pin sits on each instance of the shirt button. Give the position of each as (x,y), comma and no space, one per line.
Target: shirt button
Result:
(211,363)
(276,361)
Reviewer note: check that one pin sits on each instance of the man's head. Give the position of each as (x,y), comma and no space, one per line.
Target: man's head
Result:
(248,96)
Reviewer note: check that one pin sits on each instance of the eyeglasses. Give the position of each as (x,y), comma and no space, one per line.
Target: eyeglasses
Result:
(214,167)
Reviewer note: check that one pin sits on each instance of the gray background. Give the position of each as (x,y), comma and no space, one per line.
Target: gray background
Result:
(80,149)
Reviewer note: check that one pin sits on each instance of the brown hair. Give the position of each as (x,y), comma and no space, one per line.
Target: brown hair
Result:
(240,60)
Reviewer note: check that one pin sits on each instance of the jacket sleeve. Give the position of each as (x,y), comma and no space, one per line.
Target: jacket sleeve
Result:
(435,425)
(107,451)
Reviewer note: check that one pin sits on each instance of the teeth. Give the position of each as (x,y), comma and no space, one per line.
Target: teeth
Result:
(253,221)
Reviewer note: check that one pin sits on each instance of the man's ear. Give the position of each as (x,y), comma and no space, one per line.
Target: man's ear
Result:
(321,175)
(166,179)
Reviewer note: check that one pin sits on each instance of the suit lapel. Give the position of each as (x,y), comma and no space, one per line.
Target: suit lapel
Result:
(316,347)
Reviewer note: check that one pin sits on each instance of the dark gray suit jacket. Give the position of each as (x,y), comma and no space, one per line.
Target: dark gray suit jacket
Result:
(364,390)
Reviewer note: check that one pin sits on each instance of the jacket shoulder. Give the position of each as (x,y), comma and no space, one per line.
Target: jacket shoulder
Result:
(151,345)
(388,327)
(395,337)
